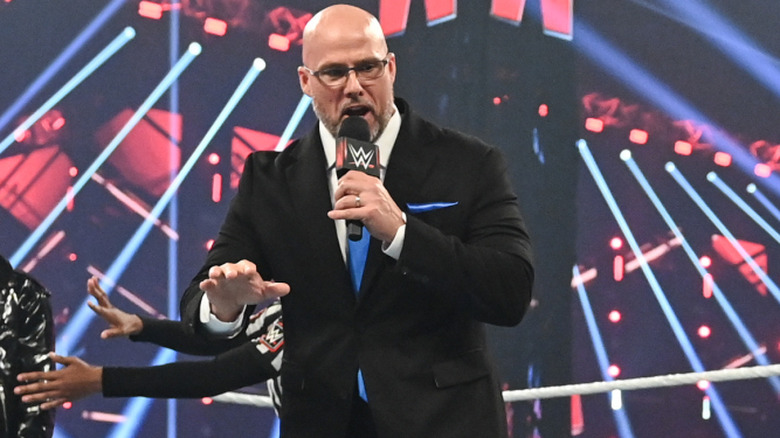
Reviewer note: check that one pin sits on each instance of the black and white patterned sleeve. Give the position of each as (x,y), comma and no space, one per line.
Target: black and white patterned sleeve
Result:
(266,330)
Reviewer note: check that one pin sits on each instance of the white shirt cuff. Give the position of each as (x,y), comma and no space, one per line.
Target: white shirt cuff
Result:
(213,325)
(394,248)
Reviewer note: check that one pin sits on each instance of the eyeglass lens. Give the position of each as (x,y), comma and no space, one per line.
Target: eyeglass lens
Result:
(367,70)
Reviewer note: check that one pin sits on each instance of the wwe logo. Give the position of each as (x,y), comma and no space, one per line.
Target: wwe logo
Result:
(362,158)
(273,339)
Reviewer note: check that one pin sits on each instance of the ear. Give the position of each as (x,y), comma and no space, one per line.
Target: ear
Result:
(391,67)
(305,81)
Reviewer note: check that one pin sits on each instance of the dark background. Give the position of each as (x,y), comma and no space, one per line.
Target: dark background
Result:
(649,65)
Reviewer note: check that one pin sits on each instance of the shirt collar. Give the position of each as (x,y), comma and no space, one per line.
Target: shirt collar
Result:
(385,141)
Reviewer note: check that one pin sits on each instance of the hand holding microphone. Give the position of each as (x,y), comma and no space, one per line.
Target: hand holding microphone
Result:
(361,198)
(355,152)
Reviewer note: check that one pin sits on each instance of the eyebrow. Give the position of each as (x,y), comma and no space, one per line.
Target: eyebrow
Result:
(339,65)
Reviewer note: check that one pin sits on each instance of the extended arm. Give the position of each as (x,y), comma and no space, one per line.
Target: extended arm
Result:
(247,364)
(166,333)
(235,369)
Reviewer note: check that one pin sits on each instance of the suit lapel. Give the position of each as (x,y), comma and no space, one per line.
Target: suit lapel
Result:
(306,176)
(410,164)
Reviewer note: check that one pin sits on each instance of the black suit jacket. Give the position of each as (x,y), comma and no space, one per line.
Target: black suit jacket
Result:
(416,327)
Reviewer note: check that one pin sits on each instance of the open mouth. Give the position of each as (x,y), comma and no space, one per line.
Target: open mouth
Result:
(359,110)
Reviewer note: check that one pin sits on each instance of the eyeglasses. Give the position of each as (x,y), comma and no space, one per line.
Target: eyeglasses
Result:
(337,75)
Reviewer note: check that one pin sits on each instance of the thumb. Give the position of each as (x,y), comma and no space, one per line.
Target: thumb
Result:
(275,290)
(111,333)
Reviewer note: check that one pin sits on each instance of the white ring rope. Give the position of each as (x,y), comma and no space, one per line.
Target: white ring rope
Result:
(643,383)
(745,373)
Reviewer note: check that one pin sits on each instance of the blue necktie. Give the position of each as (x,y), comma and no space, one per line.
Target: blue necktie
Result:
(358,250)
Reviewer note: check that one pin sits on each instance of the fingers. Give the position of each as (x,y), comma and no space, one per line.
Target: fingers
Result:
(46,392)
(208,285)
(101,311)
(63,360)
(357,196)
(94,289)
(44,387)
(353,202)
(355,183)
(49,399)
(35,392)
(215,272)
(31,376)
(232,270)
(246,267)
(53,404)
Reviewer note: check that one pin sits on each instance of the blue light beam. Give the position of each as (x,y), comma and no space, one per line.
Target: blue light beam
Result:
(173,74)
(744,334)
(97,23)
(735,198)
(126,35)
(672,169)
(725,420)
(76,327)
(300,110)
(173,211)
(753,190)
(621,418)
(728,39)
(624,69)
(139,408)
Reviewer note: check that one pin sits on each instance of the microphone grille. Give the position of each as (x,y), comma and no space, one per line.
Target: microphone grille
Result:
(355,127)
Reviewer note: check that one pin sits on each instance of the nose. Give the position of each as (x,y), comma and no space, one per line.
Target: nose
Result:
(352,86)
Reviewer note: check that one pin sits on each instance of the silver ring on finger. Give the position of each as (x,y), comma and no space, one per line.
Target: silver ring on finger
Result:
(357,201)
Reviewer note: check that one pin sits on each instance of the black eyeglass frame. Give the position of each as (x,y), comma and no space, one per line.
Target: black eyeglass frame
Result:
(344,71)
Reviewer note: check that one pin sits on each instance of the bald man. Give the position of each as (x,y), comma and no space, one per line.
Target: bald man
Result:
(402,352)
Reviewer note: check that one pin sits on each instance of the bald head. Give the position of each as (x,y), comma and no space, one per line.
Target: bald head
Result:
(341,26)
(340,38)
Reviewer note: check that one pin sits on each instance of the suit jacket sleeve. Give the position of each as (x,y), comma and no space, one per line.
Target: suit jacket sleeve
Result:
(231,244)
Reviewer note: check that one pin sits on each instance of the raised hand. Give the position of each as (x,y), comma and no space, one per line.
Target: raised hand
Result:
(231,286)
(53,388)
(362,197)
(121,323)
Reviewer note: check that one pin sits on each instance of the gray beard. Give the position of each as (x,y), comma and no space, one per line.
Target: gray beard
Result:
(333,128)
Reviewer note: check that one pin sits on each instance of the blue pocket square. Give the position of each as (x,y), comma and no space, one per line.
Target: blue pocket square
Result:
(420,208)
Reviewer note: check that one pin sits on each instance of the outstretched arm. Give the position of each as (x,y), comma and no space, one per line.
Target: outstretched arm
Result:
(166,333)
(235,369)
(250,363)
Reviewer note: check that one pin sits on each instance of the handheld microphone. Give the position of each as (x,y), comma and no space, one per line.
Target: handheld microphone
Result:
(355,152)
